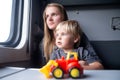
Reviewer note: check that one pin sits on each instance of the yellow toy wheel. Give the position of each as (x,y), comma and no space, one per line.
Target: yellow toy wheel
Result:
(74,73)
(57,73)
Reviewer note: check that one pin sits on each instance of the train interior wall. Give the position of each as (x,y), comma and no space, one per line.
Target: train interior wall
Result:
(97,23)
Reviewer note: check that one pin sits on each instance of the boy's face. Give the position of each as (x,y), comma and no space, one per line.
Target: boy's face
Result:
(64,39)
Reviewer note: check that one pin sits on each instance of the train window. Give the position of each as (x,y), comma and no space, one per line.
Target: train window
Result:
(14,28)
(5,17)
(11,22)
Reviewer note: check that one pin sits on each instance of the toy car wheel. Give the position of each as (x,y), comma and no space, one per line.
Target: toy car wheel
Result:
(74,73)
(57,73)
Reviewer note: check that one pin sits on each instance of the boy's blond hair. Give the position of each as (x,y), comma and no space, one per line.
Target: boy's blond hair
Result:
(72,27)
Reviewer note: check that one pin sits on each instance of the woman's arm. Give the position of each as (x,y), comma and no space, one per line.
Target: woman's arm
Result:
(91,66)
(90,59)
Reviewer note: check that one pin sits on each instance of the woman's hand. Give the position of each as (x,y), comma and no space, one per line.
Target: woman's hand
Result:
(83,63)
(91,66)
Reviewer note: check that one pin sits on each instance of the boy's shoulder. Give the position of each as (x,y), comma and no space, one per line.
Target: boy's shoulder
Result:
(57,50)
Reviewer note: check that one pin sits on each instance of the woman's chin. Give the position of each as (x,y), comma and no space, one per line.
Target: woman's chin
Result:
(52,28)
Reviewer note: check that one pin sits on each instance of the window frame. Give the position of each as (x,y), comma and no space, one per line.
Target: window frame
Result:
(18,50)
(16,24)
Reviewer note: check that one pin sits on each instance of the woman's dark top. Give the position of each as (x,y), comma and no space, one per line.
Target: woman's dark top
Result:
(85,43)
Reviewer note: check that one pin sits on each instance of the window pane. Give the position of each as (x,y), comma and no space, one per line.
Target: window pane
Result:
(5,19)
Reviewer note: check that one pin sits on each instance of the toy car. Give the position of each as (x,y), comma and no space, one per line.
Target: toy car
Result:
(59,67)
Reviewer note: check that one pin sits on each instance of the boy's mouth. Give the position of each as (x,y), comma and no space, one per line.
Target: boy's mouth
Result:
(59,43)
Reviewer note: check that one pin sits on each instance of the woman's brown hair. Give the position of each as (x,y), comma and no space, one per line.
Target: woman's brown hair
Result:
(48,40)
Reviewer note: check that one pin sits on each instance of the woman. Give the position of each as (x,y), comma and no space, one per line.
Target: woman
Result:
(53,14)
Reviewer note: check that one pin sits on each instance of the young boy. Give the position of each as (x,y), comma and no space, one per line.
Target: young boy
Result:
(67,38)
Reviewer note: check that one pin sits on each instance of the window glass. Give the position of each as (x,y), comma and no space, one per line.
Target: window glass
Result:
(5,19)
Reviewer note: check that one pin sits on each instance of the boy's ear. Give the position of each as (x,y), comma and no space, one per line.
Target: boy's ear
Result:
(76,39)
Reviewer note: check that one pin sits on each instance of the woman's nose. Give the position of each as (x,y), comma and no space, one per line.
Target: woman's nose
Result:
(50,18)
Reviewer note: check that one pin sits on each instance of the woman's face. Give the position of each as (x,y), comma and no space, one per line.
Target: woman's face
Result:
(53,17)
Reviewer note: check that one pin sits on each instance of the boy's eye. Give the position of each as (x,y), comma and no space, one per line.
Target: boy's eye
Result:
(63,34)
(56,35)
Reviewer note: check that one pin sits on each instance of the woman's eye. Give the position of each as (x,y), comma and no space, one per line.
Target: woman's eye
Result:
(54,14)
(46,16)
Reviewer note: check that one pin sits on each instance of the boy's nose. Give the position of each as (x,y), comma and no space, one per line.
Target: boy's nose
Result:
(59,37)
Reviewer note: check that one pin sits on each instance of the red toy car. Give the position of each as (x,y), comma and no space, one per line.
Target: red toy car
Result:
(58,68)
